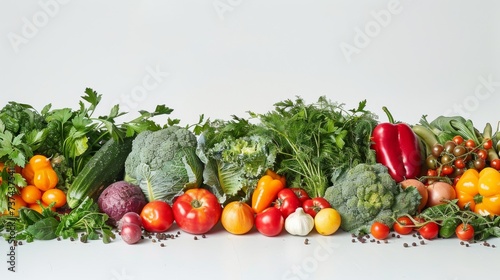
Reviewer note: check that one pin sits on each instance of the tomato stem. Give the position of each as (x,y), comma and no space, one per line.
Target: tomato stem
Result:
(196,203)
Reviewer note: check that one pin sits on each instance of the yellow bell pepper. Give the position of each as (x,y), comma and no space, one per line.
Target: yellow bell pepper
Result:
(479,191)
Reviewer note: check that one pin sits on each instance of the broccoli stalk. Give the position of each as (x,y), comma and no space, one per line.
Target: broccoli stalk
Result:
(367,193)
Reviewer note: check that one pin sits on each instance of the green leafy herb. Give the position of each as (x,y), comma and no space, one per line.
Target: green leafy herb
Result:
(317,140)
(31,225)
(43,229)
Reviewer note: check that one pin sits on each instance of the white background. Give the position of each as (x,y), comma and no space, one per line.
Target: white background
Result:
(225,57)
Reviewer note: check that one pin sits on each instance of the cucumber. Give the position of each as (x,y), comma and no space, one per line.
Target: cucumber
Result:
(100,171)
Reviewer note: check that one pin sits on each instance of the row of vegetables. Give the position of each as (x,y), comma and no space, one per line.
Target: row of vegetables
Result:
(299,167)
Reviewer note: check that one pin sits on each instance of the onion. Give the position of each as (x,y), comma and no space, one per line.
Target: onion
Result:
(131,233)
(421,189)
(130,217)
(439,193)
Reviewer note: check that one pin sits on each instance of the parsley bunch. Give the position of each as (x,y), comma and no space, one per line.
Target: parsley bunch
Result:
(318,141)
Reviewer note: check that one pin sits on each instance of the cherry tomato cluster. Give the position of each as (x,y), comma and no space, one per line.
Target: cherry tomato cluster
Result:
(429,230)
(452,158)
(41,190)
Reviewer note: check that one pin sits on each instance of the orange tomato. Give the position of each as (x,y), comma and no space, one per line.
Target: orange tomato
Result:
(28,173)
(54,195)
(15,203)
(38,208)
(39,162)
(31,194)
(237,217)
(45,179)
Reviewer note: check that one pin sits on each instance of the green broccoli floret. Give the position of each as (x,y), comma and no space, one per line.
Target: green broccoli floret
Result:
(366,193)
(164,163)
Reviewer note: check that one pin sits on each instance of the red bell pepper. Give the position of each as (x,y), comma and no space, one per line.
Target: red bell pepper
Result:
(397,147)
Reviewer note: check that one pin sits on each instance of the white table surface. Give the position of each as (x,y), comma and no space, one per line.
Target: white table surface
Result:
(222,255)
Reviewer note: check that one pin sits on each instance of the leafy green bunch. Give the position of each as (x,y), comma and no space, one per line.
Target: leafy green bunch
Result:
(85,220)
(70,137)
(235,157)
(318,141)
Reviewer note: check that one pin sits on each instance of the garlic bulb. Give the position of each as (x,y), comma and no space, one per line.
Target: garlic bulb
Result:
(299,223)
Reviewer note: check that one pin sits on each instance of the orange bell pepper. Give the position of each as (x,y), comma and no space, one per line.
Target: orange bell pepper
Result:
(479,191)
(266,191)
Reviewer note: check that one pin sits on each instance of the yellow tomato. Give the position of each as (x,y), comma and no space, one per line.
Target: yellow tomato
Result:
(327,221)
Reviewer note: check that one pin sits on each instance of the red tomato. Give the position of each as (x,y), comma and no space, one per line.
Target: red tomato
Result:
(301,194)
(314,205)
(458,139)
(459,163)
(495,163)
(404,225)
(287,202)
(429,231)
(197,211)
(471,144)
(447,170)
(380,230)
(432,173)
(464,232)
(157,216)
(482,153)
(488,143)
(270,222)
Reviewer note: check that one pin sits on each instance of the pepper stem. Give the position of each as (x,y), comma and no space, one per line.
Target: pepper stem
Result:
(389,115)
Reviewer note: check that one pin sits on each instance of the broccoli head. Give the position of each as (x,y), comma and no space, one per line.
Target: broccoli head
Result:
(164,163)
(366,193)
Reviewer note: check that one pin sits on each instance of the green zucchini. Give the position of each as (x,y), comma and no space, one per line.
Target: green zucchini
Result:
(100,171)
